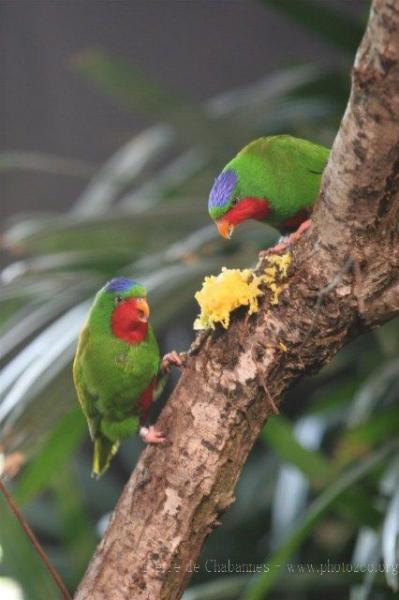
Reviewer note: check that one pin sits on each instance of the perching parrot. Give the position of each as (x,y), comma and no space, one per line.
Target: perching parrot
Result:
(118,370)
(274,179)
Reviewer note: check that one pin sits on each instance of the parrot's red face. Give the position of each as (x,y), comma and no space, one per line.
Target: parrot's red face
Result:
(247,208)
(129,319)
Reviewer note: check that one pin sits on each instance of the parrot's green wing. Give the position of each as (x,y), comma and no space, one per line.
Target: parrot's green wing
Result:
(104,449)
(283,169)
(86,399)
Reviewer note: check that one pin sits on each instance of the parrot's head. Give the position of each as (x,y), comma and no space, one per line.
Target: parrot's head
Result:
(230,203)
(122,305)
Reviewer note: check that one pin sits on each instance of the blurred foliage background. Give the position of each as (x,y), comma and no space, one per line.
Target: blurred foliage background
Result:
(317,508)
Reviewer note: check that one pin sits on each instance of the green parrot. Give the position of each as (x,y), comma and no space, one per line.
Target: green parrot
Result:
(274,179)
(117,369)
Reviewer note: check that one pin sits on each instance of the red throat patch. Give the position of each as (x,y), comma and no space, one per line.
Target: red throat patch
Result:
(248,208)
(127,324)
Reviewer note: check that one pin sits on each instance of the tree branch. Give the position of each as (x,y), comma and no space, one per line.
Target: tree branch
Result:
(348,267)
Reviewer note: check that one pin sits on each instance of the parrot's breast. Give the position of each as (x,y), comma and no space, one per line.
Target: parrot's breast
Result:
(117,373)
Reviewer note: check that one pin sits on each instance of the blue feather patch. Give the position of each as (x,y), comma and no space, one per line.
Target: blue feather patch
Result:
(222,189)
(120,284)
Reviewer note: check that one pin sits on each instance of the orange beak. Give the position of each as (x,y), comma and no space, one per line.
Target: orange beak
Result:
(143,309)
(225,228)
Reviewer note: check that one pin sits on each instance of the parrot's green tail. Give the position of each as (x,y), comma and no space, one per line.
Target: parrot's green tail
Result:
(104,450)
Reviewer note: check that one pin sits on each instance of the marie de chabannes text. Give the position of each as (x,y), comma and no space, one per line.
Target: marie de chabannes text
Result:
(232,567)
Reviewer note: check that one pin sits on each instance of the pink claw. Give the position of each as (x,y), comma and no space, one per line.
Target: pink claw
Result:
(279,248)
(288,241)
(151,435)
(171,358)
(294,237)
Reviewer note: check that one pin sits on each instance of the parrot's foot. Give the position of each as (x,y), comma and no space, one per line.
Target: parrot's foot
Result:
(303,227)
(151,435)
(289,240)
(173,358)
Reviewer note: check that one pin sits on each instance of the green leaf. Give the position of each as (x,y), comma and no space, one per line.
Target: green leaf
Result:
(125,83)
(389,542)
(376,388)
(122,169)
(360,439)
(36,373)
(223,588)
(333,25)
(316,511)
(19,559)
(54,454)
(320,471)
(115,230)
(279,435)
(78,533)
(132,88)
(22,160)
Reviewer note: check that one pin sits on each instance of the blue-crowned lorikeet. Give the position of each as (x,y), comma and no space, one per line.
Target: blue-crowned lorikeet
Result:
(274,179)
(117,369)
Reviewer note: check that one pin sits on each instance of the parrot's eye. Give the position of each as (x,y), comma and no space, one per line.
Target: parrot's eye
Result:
(235,200)
(118,299)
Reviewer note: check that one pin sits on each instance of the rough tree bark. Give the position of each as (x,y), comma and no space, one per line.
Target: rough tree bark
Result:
(344,280)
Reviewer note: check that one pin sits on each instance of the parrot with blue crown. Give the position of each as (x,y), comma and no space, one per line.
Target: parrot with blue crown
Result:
(118,371)
(275,180)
